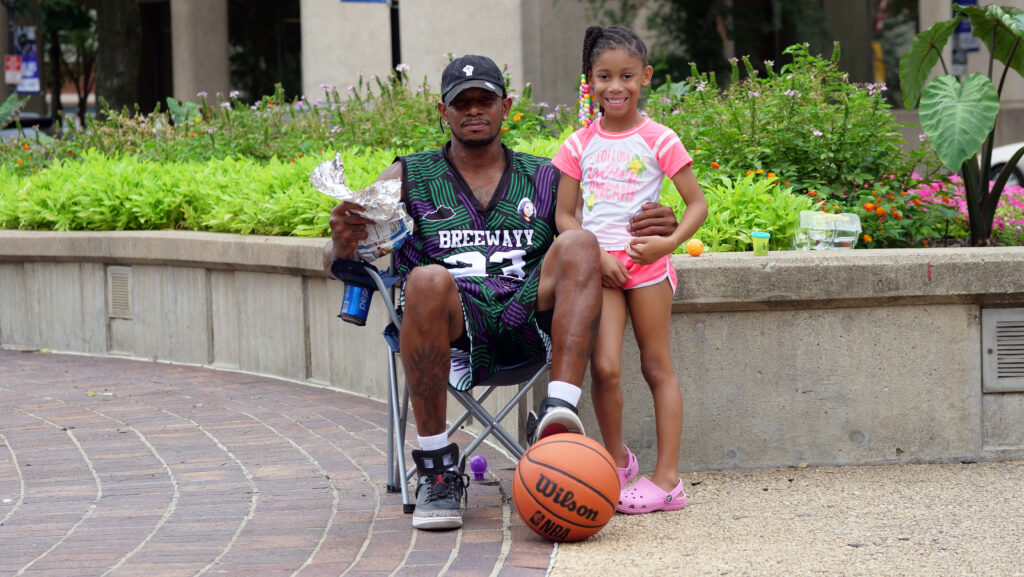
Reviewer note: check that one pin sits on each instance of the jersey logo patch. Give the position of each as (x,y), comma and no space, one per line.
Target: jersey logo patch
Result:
(442,213)
(526,210)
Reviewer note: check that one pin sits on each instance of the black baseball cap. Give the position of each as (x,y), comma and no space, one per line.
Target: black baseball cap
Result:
(471,71)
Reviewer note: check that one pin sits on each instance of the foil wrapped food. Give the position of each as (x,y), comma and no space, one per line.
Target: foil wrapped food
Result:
(381,202)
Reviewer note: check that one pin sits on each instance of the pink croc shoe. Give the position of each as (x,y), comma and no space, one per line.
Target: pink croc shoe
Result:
(627,474)
(646,497)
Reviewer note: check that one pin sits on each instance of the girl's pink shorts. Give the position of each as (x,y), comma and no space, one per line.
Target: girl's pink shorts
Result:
(646,274)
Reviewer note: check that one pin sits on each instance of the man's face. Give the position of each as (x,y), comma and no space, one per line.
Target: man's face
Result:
(475,116)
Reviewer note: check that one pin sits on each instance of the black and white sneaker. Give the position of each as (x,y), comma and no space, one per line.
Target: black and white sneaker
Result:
(441,492)
(556,416)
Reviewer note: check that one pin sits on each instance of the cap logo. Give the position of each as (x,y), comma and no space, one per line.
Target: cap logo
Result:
(468,70)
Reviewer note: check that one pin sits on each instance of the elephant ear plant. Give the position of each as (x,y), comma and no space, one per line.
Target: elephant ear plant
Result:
(959,117)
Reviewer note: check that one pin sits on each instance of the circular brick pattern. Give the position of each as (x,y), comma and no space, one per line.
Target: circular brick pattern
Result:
(119,467)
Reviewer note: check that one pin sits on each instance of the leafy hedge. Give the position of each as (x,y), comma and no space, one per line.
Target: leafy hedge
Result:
(221,164)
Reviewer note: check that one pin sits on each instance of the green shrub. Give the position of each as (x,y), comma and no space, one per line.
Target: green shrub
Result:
(236,195)
(738,207)
(807,123)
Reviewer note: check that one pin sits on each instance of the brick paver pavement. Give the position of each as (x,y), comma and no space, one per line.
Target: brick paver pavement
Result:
(121,467)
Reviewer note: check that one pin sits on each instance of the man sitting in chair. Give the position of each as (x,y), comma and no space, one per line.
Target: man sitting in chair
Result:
(486,283)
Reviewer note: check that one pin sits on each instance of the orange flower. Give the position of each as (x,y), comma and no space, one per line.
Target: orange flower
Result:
(504,129)
(20,162)
(770,175)
(812,193)
(518,117)
(867,238)
(786,183)
(759,171)
(869,207)
(25,146)
(749,172)
(880,211)
(715,165)
(898,216)
(191,134)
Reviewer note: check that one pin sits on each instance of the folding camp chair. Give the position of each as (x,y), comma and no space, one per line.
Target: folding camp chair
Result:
(523,375)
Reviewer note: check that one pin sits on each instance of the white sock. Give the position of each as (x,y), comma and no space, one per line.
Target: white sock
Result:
(433,442)
(565,391)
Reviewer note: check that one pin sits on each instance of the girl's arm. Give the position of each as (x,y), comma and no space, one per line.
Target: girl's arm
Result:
(567,211)
(646,250)
(565,205)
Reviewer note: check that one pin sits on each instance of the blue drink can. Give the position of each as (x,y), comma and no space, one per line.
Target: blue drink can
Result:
(356,304)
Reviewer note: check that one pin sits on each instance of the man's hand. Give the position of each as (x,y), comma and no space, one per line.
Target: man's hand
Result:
(653,220)
(347,229)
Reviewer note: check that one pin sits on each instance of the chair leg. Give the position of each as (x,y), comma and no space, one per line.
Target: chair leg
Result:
(396,446)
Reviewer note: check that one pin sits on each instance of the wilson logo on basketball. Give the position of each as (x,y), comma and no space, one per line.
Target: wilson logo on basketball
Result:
(564,499)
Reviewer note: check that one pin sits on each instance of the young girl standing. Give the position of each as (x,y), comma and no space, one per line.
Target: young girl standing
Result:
(613,165)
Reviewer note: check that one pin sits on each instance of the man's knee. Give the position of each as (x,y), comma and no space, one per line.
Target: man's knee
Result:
(576,250)
(428,288)
(577,246)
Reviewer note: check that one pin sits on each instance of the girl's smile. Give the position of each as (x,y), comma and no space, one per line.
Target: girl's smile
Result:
(618,78)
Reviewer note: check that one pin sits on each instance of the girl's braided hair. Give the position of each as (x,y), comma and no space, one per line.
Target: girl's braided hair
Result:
(597,40)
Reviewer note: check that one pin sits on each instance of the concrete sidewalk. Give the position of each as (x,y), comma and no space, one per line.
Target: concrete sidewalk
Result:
(120,467)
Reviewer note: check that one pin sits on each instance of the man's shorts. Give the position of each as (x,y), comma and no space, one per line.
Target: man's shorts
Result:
(499,334)
(642,275)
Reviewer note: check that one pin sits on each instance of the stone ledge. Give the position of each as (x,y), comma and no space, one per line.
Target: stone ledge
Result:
(713,281)
(173,248)
(791,279)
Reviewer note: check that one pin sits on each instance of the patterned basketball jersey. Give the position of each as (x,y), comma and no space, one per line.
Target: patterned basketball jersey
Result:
(493,253)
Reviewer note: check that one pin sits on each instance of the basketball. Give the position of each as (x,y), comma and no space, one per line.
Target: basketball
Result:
(566,487)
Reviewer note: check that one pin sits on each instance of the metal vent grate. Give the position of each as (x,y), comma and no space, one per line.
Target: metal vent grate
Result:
(1002,341)
(119,292)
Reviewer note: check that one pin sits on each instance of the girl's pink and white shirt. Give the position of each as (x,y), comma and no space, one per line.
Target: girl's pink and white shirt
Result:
(619,172)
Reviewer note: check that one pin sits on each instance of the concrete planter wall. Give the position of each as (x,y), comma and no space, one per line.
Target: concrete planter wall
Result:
(825,358)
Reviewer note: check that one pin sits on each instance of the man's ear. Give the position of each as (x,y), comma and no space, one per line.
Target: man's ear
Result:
(506,106)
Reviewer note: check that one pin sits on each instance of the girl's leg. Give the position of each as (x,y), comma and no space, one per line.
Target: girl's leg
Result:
(605,370)
(650,308)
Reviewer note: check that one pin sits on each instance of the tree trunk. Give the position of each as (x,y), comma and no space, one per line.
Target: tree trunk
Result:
(119,35)
(56,78)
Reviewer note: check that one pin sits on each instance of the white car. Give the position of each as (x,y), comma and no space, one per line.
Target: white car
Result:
(1000,156)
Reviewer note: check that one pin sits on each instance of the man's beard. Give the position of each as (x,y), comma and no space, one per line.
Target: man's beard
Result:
(476,142)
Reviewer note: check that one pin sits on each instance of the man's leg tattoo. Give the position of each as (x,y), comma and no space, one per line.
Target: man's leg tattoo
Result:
(428,371)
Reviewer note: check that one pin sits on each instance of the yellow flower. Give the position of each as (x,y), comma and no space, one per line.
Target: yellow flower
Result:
(759,171)
(518,117)
(867,238)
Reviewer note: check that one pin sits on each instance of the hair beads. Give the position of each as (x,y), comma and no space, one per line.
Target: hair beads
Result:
(586,102)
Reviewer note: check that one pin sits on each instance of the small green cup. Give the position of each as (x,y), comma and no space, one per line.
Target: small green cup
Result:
(760,242)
